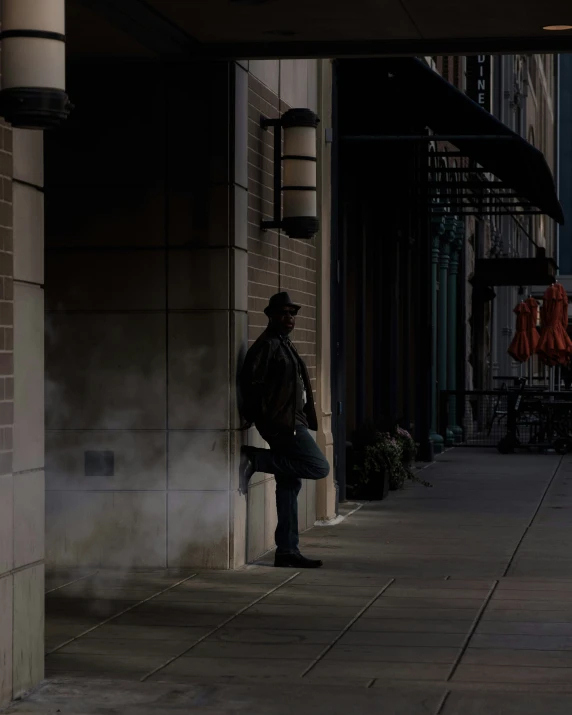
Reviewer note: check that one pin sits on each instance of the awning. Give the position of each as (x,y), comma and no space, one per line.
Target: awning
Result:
(515,271)
(522,182)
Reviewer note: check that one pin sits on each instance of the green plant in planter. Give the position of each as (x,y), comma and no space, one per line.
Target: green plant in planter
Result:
(393,454)
(409,446)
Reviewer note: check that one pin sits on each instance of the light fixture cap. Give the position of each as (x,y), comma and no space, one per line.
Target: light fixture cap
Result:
(304,227)
(34,107)
(300,117)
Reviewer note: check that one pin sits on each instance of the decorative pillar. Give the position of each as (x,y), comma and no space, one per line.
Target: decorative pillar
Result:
(325,488)
(438,228)
(442,331)
(456,246)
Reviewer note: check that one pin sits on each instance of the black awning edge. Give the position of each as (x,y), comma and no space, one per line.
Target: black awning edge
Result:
(515,271)
(448,111)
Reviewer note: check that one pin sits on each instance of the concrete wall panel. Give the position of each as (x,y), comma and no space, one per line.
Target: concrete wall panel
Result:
(29,518)
(105,528)
(198,353)
(199,460)
(105,371)
(140,459)
(28,377)
(199,529)
(28,653)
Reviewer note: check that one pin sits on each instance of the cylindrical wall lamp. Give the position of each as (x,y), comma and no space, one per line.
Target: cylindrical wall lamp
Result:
(299,217)
(33,63)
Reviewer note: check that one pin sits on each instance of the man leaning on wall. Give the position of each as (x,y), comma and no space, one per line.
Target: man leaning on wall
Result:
(278,400)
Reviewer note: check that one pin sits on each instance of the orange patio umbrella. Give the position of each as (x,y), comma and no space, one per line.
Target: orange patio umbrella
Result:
(554,346)
(519,348)
(564,305)
(532,331)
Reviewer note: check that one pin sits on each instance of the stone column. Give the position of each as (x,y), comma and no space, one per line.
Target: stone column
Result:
(22,486)
(444,260)
(438,227)
(144,435)
(207,331)
(456,245)
(325,488)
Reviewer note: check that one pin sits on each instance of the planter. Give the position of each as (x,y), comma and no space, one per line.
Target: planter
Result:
(377,488)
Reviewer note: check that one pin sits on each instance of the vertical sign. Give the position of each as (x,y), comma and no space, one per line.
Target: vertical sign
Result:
(479,80)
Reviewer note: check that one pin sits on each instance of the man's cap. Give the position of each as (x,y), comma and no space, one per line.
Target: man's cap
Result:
(278,302)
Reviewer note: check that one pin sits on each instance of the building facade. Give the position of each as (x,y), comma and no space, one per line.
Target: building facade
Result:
(524,98)
(156,275)
(146,208)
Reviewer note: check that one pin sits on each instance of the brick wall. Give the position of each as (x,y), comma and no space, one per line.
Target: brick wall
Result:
(6,302)
(275,262)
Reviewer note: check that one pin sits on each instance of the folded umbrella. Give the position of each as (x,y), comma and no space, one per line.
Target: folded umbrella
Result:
(554,346)
(519,348)
(532,320)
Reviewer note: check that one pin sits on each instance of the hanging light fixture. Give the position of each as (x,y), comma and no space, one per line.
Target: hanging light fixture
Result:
(299,215)
(33,63)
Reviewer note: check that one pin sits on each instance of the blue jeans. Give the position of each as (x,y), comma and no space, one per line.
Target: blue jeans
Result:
(290,459)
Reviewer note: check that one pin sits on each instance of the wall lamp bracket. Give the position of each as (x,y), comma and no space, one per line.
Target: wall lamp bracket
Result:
(295,173)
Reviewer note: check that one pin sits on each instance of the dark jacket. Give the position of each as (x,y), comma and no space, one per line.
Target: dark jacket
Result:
(268,386)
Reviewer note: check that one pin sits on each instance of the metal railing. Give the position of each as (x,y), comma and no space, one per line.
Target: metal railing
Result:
(508,419)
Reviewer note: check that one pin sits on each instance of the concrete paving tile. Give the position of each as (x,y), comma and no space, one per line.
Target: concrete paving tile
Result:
(82,608)
(59,665)
(230,634)
(532,615)
(511,674)
(301,611)
(507,704)
(233,667)
(268,577)
(396,654)
(293,623)
(127,648)
(104,594)
(317,599)
(342,579)
(157,579)
(427,602)
(535,596)
(161,609)
(415,640)
(404,592)
(448,585)
(113,631)
(173,618)
(365,592)
(429,613)
(417,626)
(287,651)
(321,696)
(545,567)
(224,587)
(63,628)
(530,628)
(518,657)
(384,671)
(514,642)
(237,600)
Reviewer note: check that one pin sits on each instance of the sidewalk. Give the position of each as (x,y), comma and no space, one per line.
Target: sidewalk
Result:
(454,600)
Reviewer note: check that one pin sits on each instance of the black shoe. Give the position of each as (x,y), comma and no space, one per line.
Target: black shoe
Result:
(296,561)
(246,469)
